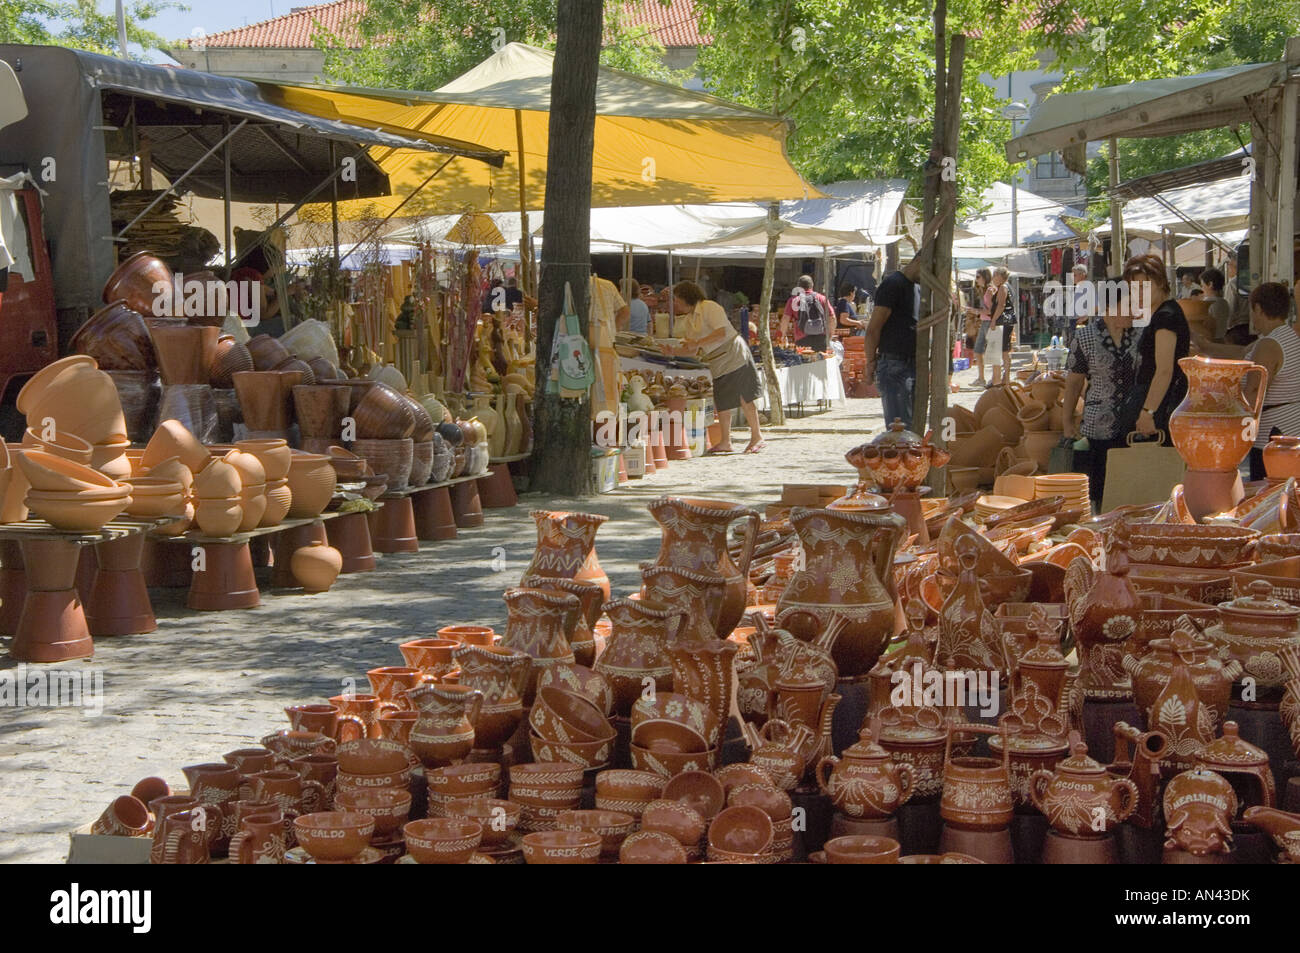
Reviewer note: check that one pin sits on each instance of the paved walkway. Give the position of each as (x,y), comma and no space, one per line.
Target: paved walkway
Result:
(207,683)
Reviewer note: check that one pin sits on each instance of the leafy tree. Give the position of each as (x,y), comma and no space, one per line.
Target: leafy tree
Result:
(80,24)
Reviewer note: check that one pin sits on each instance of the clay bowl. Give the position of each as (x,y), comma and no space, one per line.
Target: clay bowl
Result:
(861,849)
(267,352)
(374,756)
(675,707)
(117,337)
(699,789)
(391,457)
(134,279)
(442,840)
(334,835)
(679,821)
(651,847)
(627,785)
(561,715)
(562,847)
(459,780)
(172,439)
(389,807)
(185,353)
(376,486)
(578,678)
(741,830)
(66,445)
(374,782)
(546,777)
(152,497)
(669,763)
(230,357)
(613,827)
(671,737)
(952,857)
(772,802)
(346,464)
(743,773)
(324,370)
(1190,546)
(275,455)
(52,473)
(76,515)
(498,817)
(384,414)
(589,755)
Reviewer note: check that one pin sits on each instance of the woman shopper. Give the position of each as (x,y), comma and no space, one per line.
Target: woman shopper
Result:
(982,294)
(705,329)
(846,313)
(1278,351)
(1161,384)
(1002,326)
(1104,358)
(638,315)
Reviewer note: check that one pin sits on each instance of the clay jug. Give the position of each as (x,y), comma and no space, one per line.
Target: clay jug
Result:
(968,632)
(1211,427)
(490,418)
(443,733)
(848,571)
(699,594)
(865,783)
(637,651)
(582,638)
(566,547)
(514,426)
(538,625)
(1178,714)
(1212,677)
(695,537)
(705,671)
(497,673)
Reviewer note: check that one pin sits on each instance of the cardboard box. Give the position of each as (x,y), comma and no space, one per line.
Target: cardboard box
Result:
(87,848)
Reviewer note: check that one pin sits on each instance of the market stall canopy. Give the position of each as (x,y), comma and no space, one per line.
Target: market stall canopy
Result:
(1038,221)
(754,234)
(1020,262)
(869,206)
(1154,107)
(1219,206)
(655,143)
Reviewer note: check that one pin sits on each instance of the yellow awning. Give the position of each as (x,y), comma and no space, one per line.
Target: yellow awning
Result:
(655,143)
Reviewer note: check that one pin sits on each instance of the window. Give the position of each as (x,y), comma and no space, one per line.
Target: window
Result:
(1050,165)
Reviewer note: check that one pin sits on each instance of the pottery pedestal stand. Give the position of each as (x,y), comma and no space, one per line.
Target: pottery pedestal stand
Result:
(350,535)
(52,627)
(13,586)
(226,580)
(118,603)
(498,489)
(434,518)
(1059,849)
(392,526)
(466,505)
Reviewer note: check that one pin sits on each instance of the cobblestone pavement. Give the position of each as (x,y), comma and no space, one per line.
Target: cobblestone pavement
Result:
(207,683)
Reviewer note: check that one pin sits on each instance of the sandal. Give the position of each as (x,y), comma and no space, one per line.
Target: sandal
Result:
(756,447)
(718,451)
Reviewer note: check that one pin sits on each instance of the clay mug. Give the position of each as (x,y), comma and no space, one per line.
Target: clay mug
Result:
(125,817)
(358,715)
(250,760)
(183,837)
(322,719)
(259,840)
(324,770)
(391,683)
(251,806)
(396,725)
(204,819)
(288,790)
(218,784)
(289,745)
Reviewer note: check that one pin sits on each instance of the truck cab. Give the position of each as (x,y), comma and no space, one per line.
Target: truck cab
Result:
(28,328)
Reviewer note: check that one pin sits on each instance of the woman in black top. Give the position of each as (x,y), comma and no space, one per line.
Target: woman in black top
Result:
(846,313)
(1161,384)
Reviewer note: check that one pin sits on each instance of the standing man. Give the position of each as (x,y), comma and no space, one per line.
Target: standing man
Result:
(891,341)
(810,313)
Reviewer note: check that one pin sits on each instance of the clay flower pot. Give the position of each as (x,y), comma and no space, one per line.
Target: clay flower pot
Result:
(384,414)
(320,409)
(316,566)
(229,357)
(267,352)
(274,454)
(172,439)
(117,337)
(393,457)
(185,353)
(218,517)
(79,397)
(311,484)
(264,398)
(134,279)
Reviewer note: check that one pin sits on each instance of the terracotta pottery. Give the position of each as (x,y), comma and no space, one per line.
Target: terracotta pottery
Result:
(895,459)
(117,337)
(334,836)
(392,457)
(1257,631)
(383,414)
(1038,445)
(591,596)
(444,732)
(560,715)
(278,499)
(706,672)
(433,657)
(126,816)
(566,547)
(562,847)
(316,566)
(229,357)
(637,650)
(311,483)
(442,840)
(76,513)
(320,409)
(171,439)
(219,480)
(264,398)
(35,391)
(1104,613)
(538,625)
(497,674)
(267,352)
(78,397)
(977,450)
(694,537)
(582,680)
(134,280)
(421,463)
(1006,422)
(968,633)
(185,353)
(1209,427)
(1009,396)
(651,847)
(358,715)
(324,370)
(499,818)
(976,791)
(1282,457)
(700,594)
(1080,799)
(1199,806)
(274,454)
(861,849)
(1212,677)
(184,836)
(865,783)
(848,572)
(1243,765)
(259,840)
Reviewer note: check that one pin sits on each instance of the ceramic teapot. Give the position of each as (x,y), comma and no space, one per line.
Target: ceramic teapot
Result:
(1256,630)
(1081,799)
(865,783)
(1212,677)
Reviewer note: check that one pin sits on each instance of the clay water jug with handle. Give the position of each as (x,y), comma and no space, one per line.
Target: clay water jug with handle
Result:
(443,733)
(636,655)
(498,673)
(1215,426)
(566,547)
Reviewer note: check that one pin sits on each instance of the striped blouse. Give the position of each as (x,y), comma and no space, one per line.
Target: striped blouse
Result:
(1281,408)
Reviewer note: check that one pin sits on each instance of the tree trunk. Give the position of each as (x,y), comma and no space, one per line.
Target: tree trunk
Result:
(930,198)
(561,460)
(775,409)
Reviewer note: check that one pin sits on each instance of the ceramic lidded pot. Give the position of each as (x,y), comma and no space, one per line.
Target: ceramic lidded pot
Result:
(1081,799)
(865,783)
(1212,677)
(1282,457)
(896,459)
(1243,765)
(1255,630)
(916,738)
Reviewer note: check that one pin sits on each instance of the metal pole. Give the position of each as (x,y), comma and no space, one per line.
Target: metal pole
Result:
(121,28)
(225,192)
(525,245)
(1117,243)
(334,207)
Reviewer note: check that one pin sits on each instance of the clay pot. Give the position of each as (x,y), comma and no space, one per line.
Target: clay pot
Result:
(311,483)
(267,352)
(316,566)
(171,439)
(185,353)
(384,414)
(297,366)
(219,480)
(278,499)
(895,460)
(274,455)
(75,514)
(442,840)
(1243,765)
(1258,631)
(498,674)
(1207,426)
(320,409)
(1038,446)
(1282,458)
(324,370)
(229,357)
(866,783)
(218,517)
(538,625)
(134,279)
(264,398)
(421,463)
(334,835)
(562,847)
(1006,422)
(431,656)
(637,650)
(1008,396)
(980,449)
(1081,799)
(976,791)
(1213,678)
(392,457)
(117,338)
(1199,806)
(861,849)
(444,732)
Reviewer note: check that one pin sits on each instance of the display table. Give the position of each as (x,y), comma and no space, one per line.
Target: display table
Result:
(813,382)
(636,365)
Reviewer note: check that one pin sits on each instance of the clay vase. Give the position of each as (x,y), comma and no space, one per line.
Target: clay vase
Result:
(1178,714)
(566,547)
(694,536)
(1207,427)
(496,673)
(699,595)
(185,353)
(134,279)
(538,625)
(1105,610)
(706,672)
(848,572)
(1282,458)
(117,338)
(264,398)
(316,566)
(640,633)
(582,638)
(320,409)
(1212,677)
(443,733)
(311,483)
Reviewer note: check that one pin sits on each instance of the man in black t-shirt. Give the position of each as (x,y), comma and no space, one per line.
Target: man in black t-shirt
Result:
(891,342)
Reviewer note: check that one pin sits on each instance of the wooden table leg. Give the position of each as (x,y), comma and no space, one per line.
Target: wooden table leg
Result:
(350,535)
(465,504)
(53,625)
(434,518)
(392,526)
(226,580)
(286,543)
(497,489)
(13,586)
(119,602)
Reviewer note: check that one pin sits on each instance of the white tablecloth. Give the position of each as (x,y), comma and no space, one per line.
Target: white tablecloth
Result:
(807,383)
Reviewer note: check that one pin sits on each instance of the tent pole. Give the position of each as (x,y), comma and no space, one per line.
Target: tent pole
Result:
(225,192)
(398,207)
(1289,110)
(525,248)
(334,207)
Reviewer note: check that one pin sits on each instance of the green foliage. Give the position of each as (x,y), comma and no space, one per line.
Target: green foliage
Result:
(80,24)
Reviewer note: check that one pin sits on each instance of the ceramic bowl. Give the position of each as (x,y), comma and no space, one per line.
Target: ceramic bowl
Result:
(629,785)
(613,827)
(861,849)
(677,708)
(551,779)
(389,807)
(743,829)
(699,789)
(460,779)
(669,763)
(498,817)
(578,678)
(442,840)
(732,775)
(562,847)
(775,804)
(334,835)
(371,782)
(651,847)
(66,445)
(172,439)
(1190,546)
(154,498)
(668,737)
(558,714)
(586,754)
(680,821)
(77,516)
(374,756)
(46,471)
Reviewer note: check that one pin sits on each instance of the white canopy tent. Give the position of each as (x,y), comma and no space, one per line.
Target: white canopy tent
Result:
(1038,221)
(1221,206)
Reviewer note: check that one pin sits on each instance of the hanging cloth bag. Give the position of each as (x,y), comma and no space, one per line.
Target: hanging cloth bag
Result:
(572,367)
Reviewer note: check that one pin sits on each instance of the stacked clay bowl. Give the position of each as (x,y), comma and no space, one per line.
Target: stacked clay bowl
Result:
(79,397)
(311,484)
(566,726)
(71,496)
(347,465)
(252,492)
(217,487)
(442,840)
(275,456)
(134,280)
(334,837)
(385,424)
(173,439)
(117,337)
(395,458)
(152,497)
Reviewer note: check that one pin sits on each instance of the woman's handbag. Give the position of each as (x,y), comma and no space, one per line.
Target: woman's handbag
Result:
(1145,471)
(572,368)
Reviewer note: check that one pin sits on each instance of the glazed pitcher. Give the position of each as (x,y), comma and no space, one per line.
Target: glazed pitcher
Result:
(706,672)
(499,673)
(591,597)
(636,655)
(1215,425)
(444,732)
(700,594)
(695,537)
(539,625)
(566,547)
(849,557)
